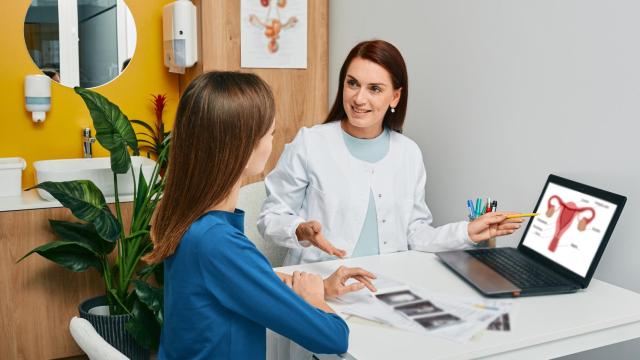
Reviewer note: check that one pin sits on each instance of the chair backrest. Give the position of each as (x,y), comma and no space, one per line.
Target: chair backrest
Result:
(91,342)
(250,200)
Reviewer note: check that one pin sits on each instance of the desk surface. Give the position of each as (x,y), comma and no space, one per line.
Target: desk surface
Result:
(543,326)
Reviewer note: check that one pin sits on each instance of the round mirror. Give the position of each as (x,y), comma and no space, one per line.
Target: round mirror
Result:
(83,43)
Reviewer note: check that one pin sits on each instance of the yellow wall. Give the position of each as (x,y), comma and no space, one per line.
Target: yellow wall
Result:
(59,136)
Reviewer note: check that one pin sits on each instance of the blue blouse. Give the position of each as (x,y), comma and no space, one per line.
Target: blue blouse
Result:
(220,294)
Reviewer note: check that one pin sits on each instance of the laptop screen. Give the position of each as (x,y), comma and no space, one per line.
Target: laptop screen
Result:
(569,228)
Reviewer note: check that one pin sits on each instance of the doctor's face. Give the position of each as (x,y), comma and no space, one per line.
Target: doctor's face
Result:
(260,154)
(367,96)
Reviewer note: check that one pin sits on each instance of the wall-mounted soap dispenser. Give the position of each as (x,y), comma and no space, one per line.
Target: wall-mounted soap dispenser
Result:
(179,35)
(37,96)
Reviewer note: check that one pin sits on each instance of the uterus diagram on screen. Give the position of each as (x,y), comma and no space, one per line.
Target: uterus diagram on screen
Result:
(568,211)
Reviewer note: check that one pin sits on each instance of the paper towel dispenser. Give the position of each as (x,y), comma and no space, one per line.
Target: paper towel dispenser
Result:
(180,35)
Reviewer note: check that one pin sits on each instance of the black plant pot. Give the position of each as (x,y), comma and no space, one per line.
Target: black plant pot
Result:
(111,328)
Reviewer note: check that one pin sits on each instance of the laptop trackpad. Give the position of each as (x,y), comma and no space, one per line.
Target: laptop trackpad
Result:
(480,275)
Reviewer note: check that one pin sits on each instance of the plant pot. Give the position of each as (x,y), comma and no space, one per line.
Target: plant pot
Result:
(111,327)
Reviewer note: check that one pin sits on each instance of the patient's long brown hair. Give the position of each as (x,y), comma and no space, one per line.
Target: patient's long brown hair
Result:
(220,119)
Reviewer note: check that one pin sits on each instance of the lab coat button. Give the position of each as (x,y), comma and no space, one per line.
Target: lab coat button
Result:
(385,243)
(379,195)
(384,221)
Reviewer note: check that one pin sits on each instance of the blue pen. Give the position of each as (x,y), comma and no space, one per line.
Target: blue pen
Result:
(472,214)
(478,204)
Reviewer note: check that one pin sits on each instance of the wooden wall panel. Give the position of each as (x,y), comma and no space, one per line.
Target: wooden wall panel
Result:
(39,298)
(300,94)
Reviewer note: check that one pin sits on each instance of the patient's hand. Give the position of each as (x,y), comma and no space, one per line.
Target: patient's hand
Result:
(286,278)
(335,284)
(310,287)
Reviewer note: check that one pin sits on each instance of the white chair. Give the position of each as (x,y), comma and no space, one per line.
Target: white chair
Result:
(250,199)
(91,342)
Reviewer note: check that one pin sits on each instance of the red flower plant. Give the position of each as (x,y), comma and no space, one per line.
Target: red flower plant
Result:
(152,138)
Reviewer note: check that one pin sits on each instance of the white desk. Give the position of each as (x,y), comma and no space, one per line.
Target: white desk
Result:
(544,326)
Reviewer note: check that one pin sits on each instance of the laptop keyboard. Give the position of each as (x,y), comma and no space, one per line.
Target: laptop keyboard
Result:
(521,271)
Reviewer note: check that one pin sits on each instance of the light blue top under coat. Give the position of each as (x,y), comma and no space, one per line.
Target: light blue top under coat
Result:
(369,150)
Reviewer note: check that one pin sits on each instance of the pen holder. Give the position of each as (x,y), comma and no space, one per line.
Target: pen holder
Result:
(489,243)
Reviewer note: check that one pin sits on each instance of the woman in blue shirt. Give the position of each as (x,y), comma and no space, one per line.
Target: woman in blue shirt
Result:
(220,292)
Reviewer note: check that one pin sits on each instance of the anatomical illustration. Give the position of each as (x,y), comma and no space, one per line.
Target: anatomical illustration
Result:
(568,211)
(272,22)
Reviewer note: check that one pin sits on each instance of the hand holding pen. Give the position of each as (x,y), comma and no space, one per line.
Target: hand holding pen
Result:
(493,224)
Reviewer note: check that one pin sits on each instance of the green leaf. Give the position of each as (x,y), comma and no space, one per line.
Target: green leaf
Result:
(143,124)
(73,256)
(82,234)
(145,270)
(141,196)
(158,273)
(143,326)
(148,149)
(113,129)
(151,297)
(117,306)
(87,203)
(156,269)
(146,142)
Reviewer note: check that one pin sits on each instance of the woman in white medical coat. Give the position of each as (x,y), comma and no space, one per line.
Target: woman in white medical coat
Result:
(355,185)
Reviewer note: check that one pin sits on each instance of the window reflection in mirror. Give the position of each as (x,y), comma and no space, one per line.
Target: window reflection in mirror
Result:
(83,43)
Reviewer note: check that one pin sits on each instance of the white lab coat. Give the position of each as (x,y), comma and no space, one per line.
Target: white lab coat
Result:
(317,178)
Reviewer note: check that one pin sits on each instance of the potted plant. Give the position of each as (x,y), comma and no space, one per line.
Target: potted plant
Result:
(132,295)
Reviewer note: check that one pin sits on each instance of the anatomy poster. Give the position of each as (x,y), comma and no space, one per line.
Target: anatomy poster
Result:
(570,227)
(273,34)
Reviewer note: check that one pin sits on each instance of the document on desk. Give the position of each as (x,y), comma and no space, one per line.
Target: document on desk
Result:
(504,322)
(400,305)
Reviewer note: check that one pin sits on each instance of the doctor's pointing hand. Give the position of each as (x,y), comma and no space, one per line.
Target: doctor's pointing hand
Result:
(311,231)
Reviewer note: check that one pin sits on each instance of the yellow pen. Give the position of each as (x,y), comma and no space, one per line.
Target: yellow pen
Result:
(513,216)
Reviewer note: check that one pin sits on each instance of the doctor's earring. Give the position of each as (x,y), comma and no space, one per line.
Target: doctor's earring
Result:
(393,109)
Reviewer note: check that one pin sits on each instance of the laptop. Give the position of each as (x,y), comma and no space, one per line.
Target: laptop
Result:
(559,250)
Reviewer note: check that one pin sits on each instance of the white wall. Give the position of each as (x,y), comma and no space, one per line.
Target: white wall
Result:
(504,92)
